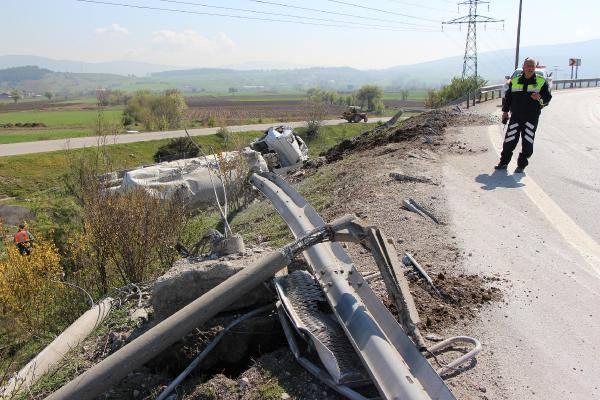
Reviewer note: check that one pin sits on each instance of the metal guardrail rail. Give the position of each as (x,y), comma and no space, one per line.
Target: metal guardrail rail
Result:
(396,366)
(492,92)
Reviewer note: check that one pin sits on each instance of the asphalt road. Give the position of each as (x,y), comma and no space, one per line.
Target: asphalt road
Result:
(76,143)
(539,231)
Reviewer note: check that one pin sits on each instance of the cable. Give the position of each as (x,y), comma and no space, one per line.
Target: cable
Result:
(275,14)
(354,26)
(335,13)
(383,11)
(421,6)
(208,348)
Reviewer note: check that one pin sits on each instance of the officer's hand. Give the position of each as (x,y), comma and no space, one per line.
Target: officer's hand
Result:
(504,118)
(536,96)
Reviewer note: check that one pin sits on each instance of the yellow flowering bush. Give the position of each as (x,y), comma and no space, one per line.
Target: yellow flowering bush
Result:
(27,293)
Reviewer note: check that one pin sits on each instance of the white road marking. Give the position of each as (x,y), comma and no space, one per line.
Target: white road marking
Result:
(569,230)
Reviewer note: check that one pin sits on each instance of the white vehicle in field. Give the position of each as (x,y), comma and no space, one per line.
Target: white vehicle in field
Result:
(539,71)
(281,147)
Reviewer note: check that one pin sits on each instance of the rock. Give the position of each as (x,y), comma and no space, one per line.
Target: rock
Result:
(230,245)
(14,215)
(244,382)
(285,396)
(190,278)
(139,316)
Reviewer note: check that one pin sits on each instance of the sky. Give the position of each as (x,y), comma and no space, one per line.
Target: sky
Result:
(370,35)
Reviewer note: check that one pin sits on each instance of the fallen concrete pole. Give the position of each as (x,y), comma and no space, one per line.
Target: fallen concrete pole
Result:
(110,371)
(55,351)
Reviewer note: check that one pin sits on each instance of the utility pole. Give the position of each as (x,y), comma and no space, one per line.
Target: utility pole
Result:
(518,35)
(470,58)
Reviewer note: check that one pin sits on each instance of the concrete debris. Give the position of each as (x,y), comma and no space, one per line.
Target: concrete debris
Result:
(229,245)
(402,177)
(14,215)
(189,278)
(139,316)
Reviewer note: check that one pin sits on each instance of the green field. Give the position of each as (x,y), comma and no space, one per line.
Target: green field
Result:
(18,136)
(61,119)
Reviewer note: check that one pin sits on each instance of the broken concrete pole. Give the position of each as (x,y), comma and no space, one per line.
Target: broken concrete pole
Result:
(115,367)
(190,279)
(55,351)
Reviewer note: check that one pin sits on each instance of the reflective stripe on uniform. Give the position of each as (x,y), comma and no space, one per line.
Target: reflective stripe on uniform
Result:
(511,132)
(513,125)
(530,132)
(529,125)
(528,138)
(509,139)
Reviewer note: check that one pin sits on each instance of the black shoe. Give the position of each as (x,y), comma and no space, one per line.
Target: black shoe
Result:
(501,166)
(519,170)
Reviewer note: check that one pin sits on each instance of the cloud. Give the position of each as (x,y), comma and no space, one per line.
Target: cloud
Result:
(583,32)
(190,40)
(115,29)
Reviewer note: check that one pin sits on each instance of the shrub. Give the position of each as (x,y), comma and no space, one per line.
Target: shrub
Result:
(176,149)
(459,87)
(315,114)
(27,293)
(223,133)
(157,112)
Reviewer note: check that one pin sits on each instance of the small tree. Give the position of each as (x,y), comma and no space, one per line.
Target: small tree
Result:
(16,95)
(232,90)
(315,112)
(48,95)
(404,94)
(370,96)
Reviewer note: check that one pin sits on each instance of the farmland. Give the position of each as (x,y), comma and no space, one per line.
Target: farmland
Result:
(77,117)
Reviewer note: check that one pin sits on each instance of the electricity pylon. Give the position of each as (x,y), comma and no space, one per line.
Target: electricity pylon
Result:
(470,59)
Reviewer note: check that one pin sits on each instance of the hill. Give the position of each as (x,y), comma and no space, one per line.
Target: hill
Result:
(492,67)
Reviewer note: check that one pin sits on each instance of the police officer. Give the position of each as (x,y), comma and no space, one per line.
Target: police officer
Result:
(527,94)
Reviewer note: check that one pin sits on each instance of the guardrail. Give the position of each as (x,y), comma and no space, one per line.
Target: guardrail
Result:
(486,93)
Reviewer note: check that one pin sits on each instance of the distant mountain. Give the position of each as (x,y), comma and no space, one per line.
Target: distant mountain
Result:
(114,67)
(492,66)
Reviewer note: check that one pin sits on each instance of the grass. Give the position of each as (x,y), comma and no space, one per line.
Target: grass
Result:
(60,119)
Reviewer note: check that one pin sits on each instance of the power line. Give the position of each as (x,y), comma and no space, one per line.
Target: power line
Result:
(276,14)
(336,13)
(383,11)
(354,25)
(421,6)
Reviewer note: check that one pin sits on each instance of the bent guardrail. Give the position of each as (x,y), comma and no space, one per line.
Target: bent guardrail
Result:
(492,92)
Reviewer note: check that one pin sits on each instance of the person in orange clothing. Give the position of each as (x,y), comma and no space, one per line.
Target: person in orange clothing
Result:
(23,239)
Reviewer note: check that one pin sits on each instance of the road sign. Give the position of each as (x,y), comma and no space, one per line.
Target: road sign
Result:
(574,62)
